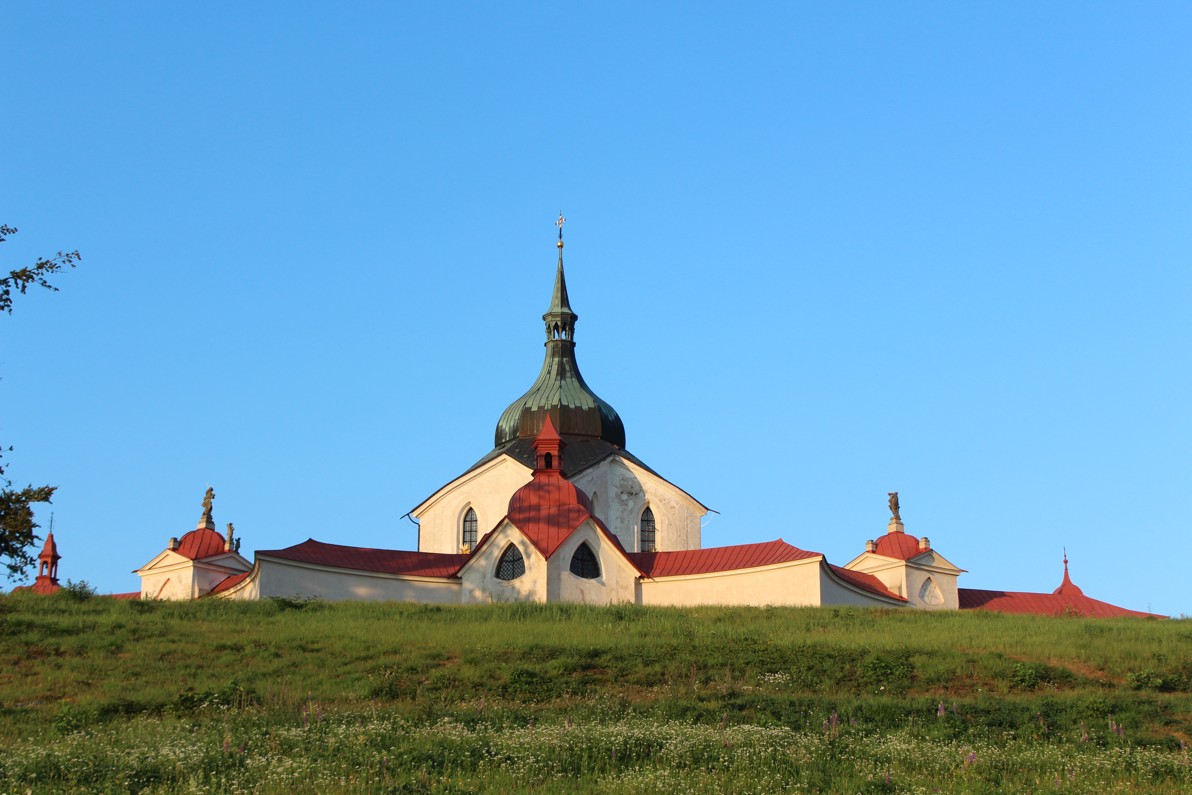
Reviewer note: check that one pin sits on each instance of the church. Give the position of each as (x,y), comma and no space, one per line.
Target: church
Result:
(561,510)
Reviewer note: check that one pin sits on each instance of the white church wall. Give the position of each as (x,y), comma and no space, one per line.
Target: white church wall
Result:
(931,587)
(291,579)
(485,490)
(175,584)
(624,490)
(795,584)
(615,584)
(479,575)
(172,576)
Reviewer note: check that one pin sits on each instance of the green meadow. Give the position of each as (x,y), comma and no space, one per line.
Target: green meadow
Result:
(98,695)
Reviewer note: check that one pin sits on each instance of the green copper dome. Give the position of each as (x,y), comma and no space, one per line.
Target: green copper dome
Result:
(560,390)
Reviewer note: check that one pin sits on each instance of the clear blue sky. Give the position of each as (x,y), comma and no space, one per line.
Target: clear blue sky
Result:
(819,252)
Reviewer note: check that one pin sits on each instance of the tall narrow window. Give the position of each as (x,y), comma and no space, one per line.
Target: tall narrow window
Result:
(511,565)
(584,563)
(647,531)
(470,528)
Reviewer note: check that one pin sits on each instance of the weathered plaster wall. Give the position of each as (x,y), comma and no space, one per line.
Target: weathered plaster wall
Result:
(623,490)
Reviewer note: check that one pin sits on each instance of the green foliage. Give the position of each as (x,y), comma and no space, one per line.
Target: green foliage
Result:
(79,591)
(17,523)
(16,513)
(35,275)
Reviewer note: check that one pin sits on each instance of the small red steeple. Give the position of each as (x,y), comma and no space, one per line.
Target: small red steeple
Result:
(1067,587)
(47,567)
(548,449)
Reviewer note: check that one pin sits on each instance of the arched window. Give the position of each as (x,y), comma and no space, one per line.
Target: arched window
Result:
(470,528)
(584,563)
(647,531)
(511,565)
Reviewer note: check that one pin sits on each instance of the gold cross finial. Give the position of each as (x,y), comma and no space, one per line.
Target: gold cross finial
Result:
(559,223)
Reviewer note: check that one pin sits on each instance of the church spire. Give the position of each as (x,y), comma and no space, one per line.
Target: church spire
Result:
(560,320)
(559,390)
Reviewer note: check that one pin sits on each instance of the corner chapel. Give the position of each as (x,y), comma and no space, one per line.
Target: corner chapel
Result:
(560,510)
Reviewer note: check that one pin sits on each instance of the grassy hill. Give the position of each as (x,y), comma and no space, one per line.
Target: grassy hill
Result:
(98,695)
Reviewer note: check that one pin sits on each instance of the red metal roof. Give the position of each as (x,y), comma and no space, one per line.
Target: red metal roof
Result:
(1043,604)
(126,595)
(49,550)
(864,581)
(714,559)
(230,582)
(42,585)
(902,546)
(548,509)
(386,561)
(1067,587)
(201,543)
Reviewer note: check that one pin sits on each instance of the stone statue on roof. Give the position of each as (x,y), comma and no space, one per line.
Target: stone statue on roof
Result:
(894,505)
(205,520)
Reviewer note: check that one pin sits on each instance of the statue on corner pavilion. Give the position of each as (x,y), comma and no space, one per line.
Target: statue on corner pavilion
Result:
(894,505)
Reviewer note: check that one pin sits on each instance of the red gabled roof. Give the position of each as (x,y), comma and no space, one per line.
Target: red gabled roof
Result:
(865,582)
(1044,604)
(230,582)
(201,543)
(714,559)
(127,595)
(385,561)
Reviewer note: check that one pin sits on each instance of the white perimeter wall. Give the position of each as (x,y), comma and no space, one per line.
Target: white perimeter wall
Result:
(295,580)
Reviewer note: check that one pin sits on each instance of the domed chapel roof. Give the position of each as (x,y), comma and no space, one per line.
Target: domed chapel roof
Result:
(560,390)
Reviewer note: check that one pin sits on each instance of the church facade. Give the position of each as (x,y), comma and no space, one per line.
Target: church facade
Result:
(560,510)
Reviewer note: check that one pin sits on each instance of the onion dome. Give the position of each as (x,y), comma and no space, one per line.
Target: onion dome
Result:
(549,507)
(560,391)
